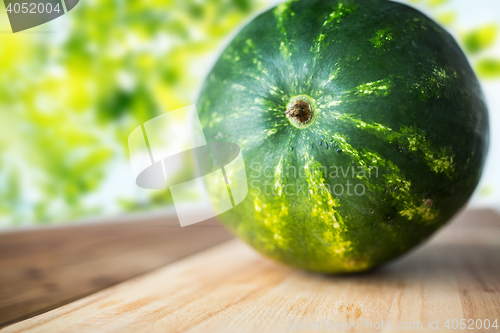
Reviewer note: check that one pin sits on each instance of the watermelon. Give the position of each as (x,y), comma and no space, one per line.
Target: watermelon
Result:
(362,127)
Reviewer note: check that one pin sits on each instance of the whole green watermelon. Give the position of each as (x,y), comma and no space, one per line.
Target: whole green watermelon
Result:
(362,126)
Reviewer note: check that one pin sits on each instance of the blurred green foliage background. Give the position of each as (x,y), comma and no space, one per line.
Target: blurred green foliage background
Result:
(72,90)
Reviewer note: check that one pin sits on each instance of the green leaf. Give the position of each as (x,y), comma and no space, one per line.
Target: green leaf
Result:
(480,39)
(488,68)
(447,18)
(435,3)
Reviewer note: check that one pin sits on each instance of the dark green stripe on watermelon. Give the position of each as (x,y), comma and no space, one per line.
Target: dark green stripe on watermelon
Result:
(393,94)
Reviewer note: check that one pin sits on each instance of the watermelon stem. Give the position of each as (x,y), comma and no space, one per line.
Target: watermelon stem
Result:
(300,111)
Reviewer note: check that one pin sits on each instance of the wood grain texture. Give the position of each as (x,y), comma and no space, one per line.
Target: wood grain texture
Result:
(45,268)
(230,288)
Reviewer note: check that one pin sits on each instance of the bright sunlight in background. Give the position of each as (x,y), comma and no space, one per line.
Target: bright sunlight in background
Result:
(73,89)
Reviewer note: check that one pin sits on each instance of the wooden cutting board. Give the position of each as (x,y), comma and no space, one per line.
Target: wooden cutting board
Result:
(231,288)
(44,268)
